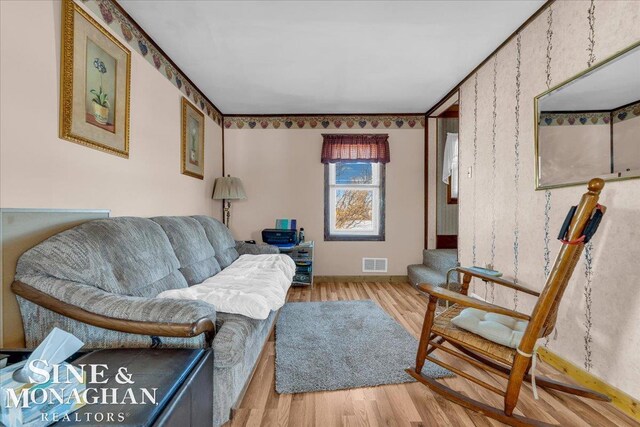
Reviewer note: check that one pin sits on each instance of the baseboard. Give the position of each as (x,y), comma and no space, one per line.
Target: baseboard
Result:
(619,398)
(363,278)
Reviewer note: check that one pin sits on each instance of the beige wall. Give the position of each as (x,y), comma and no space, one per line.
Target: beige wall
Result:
(573,153)
(283,178)
(39,170)
(610,300)
(626,145)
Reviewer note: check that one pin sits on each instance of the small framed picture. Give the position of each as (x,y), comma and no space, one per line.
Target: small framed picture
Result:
(192,140)
(96,71)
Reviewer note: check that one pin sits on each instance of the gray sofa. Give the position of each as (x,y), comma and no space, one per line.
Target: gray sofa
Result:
(115,267)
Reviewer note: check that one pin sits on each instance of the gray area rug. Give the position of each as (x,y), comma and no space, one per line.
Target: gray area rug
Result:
(336,345)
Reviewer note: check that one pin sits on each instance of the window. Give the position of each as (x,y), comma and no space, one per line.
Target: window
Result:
(354,201)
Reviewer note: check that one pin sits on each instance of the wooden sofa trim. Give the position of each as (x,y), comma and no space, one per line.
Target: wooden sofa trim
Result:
(162,329)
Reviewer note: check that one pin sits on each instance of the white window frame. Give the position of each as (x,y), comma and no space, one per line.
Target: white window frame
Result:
(377,219)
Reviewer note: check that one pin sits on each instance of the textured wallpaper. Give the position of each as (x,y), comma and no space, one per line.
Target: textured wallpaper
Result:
(505,222)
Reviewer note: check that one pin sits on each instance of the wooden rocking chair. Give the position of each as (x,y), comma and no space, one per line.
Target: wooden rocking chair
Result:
(509,363)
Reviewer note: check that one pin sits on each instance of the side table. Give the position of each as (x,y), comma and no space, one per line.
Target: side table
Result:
(302,255)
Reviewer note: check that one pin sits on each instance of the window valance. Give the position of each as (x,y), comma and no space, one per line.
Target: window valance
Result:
(356,147)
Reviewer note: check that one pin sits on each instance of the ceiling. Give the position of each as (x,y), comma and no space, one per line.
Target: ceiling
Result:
(607,87)
(284,57)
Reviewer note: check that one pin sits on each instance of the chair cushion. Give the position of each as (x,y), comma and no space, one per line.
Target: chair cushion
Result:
(443,326)
(220,238)
(192,248)
(124,255)
(495,327)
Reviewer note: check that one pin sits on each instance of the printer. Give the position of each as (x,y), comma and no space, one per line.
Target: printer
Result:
(282,238)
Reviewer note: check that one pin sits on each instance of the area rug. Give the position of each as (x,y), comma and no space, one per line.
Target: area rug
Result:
(336,345)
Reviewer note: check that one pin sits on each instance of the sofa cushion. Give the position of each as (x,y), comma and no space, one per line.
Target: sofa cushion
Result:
(191,246)
(220,238)
(125,255)
(245,248)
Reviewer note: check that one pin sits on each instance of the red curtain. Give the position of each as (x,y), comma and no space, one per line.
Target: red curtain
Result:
(356,147)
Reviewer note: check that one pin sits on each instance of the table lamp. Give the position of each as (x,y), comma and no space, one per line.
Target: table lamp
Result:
(228,188)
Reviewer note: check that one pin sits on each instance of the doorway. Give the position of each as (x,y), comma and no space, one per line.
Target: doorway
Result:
(447,179)
(443,197)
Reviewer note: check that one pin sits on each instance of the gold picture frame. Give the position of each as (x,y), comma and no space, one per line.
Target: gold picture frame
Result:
(536,114)
(95,81)
(192,138)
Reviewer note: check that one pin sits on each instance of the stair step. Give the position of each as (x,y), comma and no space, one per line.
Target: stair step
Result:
(420,273)
(440,260)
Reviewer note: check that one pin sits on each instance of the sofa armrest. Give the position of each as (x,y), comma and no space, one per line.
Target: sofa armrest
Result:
(135,315)
(244,248)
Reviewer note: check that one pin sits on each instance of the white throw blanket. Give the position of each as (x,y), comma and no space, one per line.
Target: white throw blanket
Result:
(252,286)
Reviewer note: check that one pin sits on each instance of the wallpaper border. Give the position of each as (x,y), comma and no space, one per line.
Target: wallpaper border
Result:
(328,121)
(575,118)
(626,113)
(578,118)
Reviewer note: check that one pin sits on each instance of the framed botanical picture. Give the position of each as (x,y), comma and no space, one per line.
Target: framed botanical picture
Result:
(94,97)
(192,140)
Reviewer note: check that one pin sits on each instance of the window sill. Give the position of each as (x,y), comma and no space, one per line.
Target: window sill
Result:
(353,238)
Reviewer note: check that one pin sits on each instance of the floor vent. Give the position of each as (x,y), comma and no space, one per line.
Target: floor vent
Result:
(374,265)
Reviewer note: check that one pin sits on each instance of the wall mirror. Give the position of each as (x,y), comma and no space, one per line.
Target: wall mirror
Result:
(589,125)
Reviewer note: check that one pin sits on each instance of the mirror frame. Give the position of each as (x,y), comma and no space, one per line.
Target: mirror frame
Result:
(538,186)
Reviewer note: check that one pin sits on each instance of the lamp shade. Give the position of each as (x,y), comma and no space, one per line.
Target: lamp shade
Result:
(228,188)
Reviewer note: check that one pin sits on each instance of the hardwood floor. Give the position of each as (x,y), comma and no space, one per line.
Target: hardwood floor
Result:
(401,404)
